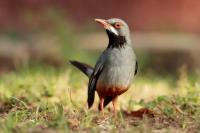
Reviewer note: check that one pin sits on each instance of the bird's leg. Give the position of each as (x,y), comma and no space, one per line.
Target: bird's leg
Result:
(102,105)
(114,102)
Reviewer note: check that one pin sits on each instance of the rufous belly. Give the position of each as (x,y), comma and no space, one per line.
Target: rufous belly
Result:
(110,91)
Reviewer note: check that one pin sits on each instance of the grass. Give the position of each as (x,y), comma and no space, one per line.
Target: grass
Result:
(44,99)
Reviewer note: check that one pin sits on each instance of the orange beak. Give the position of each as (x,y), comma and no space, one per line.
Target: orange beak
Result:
(103,22)
(107,26)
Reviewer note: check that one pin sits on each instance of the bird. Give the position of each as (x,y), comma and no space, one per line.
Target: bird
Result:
(115,68)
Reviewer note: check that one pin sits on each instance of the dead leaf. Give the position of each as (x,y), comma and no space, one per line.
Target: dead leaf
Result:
(140,113)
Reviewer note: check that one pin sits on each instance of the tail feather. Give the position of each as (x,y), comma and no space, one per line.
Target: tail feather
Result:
(85,68)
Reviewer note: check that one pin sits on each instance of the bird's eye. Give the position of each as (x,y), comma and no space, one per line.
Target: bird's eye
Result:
(118,25)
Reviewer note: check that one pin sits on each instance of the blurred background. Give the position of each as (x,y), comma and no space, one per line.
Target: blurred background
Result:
(40,90)
(48,32)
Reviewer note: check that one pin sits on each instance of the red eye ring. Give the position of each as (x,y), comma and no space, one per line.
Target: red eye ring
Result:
(118,25)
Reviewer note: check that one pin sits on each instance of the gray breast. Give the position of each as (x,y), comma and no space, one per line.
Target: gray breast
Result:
(119,67)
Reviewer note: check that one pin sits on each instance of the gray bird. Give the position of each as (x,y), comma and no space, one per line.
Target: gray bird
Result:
(115,68)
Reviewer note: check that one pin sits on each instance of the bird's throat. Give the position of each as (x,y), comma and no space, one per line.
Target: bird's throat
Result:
(116,41)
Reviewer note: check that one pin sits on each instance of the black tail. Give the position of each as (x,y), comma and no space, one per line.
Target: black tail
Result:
(85,68)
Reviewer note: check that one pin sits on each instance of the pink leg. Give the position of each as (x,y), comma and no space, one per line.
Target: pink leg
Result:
(102,105)
(114,102)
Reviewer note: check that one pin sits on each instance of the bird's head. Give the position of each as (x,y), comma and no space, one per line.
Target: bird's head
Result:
(117,30)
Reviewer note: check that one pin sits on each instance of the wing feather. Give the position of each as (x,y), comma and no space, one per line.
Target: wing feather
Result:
(92,84)
(94,78)
(136,67)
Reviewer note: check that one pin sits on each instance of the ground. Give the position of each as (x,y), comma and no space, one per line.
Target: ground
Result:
(48,100)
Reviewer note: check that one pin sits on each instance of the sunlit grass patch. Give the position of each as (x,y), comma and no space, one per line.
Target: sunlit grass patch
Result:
(45,99)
